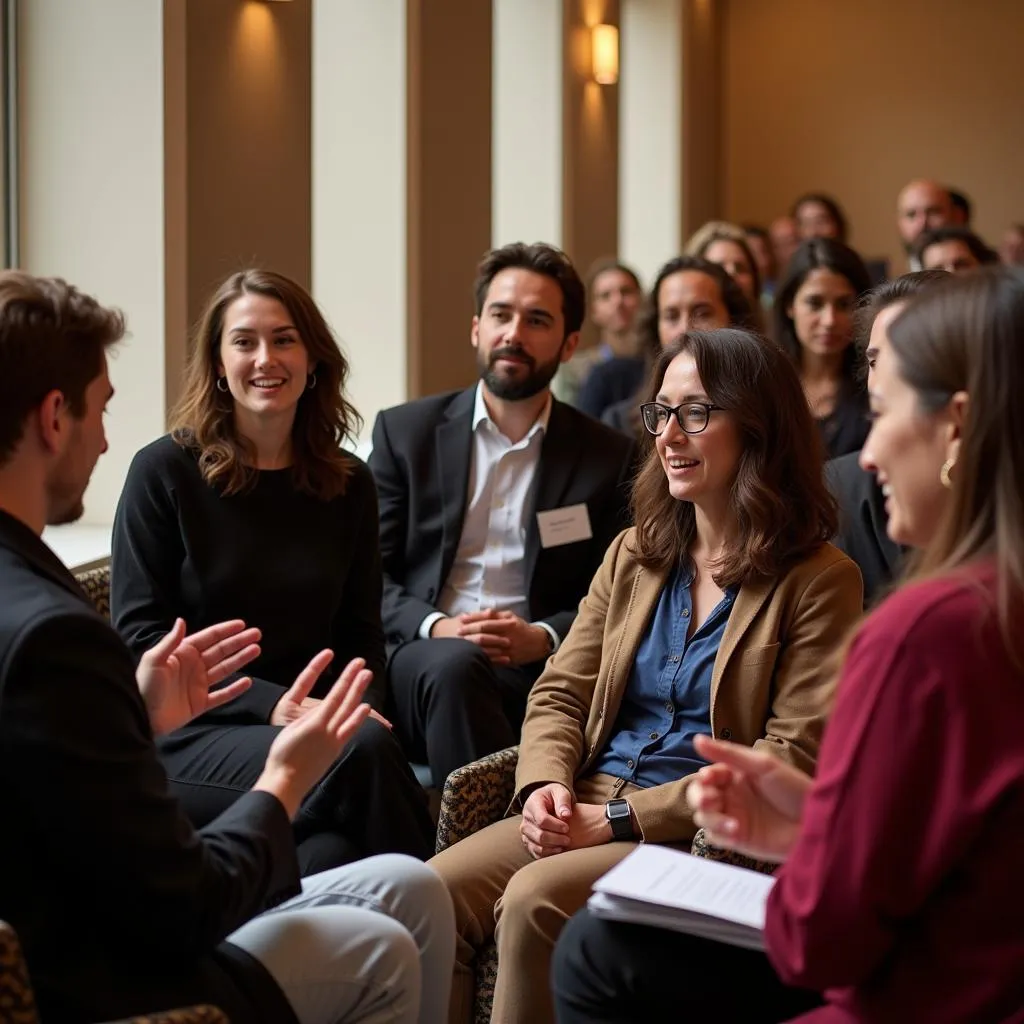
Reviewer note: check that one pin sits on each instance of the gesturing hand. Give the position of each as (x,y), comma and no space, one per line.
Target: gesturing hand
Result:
(175,675)
(544,829)
(748,801)
(305,748)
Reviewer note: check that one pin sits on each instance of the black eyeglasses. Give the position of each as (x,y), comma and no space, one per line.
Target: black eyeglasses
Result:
(692,417)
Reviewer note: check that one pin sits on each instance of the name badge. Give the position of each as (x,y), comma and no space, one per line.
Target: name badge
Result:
(564,525)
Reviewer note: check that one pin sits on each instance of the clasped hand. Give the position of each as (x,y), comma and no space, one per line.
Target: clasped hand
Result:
(747,800)
(175,675)
(503,636)
(553,822)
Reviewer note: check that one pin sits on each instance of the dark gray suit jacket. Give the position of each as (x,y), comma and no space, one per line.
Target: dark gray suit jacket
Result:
(120,904)
(421,460)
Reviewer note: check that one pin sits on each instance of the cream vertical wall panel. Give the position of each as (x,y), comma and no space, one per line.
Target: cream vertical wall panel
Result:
(92,192)
(359,207)
(526,179)
(650,128)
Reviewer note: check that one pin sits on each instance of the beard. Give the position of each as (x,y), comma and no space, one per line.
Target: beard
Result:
(513,387)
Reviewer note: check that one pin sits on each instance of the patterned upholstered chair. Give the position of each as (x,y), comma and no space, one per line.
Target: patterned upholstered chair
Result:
(477,796)
(18,1004)
(96,584)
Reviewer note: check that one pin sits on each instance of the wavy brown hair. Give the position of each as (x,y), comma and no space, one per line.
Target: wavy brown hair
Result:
(783,509)
(969,336)
(203,419)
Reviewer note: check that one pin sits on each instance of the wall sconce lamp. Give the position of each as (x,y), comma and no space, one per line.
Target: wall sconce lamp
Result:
(604,54)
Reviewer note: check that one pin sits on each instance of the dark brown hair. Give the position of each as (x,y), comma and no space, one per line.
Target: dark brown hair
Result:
(819,254)
(203,418)
(52,338)
(887,294)
(605,264)
(542,259)
(735,302)
(967,336)
(783,509)
(954,233)
(834,210)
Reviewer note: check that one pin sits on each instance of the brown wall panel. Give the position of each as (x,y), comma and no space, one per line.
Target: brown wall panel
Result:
(855,99)
(248,123)
(449,184)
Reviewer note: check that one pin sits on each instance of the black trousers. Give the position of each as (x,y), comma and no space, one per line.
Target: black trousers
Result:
(369,801)
(451,705)
(605,972)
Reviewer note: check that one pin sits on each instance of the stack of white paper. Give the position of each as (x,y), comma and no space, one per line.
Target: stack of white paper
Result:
(670,889)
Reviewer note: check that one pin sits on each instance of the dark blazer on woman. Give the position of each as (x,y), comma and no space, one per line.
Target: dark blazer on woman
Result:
(121,907)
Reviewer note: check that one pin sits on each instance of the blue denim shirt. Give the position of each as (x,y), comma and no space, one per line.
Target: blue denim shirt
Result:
(668,697)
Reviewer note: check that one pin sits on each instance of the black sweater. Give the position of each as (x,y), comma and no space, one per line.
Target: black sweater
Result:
(306,572)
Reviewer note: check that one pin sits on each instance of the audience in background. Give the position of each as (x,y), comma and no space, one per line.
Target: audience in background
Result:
(121,907)
(961,208)
(954,249)
(863,519)
(689,293)
(614,295)
(922,205)
(819,216)
(496,507)
(726,244)
(898,899)
(250,509)
(760,244)
(715,614)
(813,314)
(785,238)
(1011,249)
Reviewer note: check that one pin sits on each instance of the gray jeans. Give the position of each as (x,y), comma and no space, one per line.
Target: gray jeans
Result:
(370,942)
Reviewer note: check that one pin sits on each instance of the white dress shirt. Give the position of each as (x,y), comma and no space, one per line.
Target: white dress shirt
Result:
(489,570)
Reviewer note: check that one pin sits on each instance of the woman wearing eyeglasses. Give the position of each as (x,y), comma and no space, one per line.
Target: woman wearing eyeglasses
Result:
(715,615)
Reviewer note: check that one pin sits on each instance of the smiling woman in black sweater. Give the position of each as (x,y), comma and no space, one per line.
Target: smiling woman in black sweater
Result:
(251,509)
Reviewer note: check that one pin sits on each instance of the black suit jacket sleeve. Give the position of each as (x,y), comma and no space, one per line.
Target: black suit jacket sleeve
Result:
(402,611)
(145,566)
(75,725)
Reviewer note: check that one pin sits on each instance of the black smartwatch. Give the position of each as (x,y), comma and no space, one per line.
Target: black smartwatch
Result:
(617,813)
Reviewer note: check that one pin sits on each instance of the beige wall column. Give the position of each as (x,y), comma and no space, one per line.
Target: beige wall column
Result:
(359,191)
(590,140)
(650,134)
(92,192)
(526,184)
(449,184)
(702,63)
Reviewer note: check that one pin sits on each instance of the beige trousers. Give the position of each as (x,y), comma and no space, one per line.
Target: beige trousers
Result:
(500,891)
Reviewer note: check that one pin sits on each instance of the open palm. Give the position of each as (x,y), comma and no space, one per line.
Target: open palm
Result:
(175,675)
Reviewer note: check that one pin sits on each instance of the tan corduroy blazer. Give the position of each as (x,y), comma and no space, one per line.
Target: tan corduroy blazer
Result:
(771,688)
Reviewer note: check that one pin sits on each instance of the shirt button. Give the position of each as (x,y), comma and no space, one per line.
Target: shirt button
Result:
(674,658)
(654,735)
(629,763)
(726,734)
(686,613)
(670,707)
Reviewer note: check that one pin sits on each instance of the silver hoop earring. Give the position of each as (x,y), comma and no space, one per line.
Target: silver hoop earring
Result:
(222,384)
(944,477)
(311,382)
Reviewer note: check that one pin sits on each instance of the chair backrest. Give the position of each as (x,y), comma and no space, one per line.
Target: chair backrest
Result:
(17,1002)
(96,584)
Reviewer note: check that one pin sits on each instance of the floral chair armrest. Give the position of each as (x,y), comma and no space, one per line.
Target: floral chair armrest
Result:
(700,847)
(476,795)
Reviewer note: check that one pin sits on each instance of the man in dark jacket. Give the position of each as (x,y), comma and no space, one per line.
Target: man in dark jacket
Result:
(122,908)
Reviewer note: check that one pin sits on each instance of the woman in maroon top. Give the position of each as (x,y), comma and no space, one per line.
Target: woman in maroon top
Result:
(901,896)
